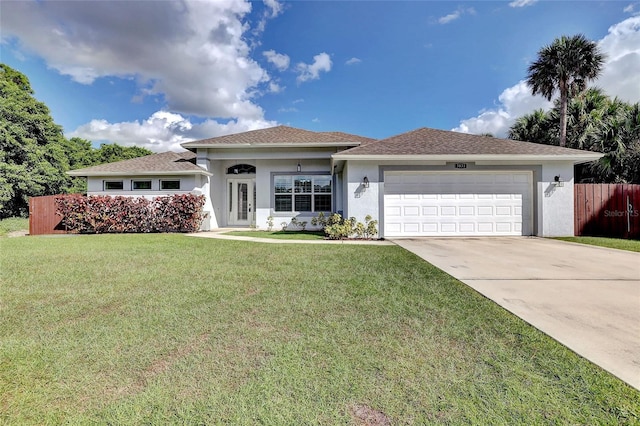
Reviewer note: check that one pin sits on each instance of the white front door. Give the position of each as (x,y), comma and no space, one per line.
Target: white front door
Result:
(242,200)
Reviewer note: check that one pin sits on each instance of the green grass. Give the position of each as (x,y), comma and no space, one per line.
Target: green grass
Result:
(280,235)
(13,224)
(616,243)
(168,329)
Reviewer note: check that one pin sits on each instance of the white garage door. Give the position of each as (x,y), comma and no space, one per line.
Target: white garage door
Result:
(457,203)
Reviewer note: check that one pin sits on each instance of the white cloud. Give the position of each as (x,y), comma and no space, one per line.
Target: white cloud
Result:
(513,102)
(353,61)
(321,62)
(619,78)
(315,120)
(291,109)
(297,101)
(522,3)
(456,14)
(450,17)
(191,53)
(275,87)
(163,131)
(273,9)
(279,60)
(629,8)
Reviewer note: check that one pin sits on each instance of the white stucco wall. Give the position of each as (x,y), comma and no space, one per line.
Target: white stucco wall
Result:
(264,192)
(95,185)
(219,187)
(556,203)
(362,201)
(189,184)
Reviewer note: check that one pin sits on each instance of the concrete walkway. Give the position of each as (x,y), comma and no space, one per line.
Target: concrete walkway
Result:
(586,297)
(221,234)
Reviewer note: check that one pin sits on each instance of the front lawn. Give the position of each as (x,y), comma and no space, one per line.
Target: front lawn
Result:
(166,329)
(616,243)
(13,224)
(280,235)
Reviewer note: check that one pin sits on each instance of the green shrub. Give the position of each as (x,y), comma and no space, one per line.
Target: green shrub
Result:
(337,228)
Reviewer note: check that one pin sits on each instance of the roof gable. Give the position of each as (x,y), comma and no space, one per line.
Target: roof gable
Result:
(280,136)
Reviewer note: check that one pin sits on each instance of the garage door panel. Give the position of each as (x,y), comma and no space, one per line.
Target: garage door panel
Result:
(466,203)
(485,227)
(429,227)
(485,211)
(503,211)
(503,227)
(412,228)
(393,211)
(447,211)
(448,227)
(467,211)
(467,227)
(412,211)
(430,211)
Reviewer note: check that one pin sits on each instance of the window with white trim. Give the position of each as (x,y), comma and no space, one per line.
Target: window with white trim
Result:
(113,185)
(138,185)
(168,185)
(302,193)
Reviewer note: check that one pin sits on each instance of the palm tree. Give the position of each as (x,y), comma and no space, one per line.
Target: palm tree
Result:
(535,127)
(565,65)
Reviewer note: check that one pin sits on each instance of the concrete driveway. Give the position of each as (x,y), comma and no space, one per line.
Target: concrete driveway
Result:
(586,297)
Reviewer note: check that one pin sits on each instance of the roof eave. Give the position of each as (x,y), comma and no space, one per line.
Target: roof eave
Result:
(580,158)
(192,145)
(139,173)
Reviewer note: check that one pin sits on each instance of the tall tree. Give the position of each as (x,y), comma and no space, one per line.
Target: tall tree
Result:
(34,154)
(535,127)
(31,162)
(565,66)
(595,122)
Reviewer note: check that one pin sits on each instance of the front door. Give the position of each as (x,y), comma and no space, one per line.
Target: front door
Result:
(242,199)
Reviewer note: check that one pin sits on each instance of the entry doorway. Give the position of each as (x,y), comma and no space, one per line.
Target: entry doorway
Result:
(242,201)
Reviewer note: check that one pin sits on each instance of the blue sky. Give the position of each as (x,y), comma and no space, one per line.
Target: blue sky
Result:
(159,73)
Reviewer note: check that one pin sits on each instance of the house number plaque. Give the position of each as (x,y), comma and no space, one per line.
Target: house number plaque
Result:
(460,165)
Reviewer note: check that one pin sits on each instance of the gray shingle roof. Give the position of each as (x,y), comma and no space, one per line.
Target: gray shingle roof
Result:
(164,163)
(427,142)
(281,135)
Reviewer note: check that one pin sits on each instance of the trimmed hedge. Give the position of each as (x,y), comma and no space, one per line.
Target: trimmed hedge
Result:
(100,214)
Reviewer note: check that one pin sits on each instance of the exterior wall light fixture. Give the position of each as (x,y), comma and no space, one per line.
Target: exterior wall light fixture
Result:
(557,181)
(299,168)
(365,182)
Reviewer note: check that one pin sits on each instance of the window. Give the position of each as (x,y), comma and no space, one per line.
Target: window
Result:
(113,185)
(167,185)
(242,169)
(137,185)
(301,193)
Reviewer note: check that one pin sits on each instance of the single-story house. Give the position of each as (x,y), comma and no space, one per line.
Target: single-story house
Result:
(425,182)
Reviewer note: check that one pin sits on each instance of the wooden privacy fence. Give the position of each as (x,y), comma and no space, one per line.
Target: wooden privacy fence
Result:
(607,210)
(42,216)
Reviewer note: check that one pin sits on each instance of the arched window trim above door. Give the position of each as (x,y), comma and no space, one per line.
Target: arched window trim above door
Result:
(241,169)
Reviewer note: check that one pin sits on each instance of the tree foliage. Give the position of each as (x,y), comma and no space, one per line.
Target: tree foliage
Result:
(565,66)
(595,122)
(34,154)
